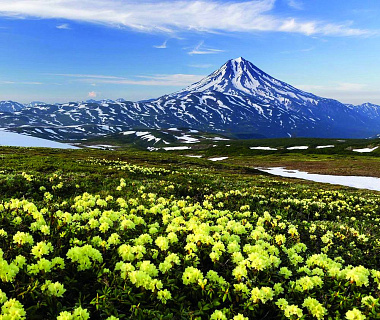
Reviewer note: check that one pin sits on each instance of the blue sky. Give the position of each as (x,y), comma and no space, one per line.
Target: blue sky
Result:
(69,50)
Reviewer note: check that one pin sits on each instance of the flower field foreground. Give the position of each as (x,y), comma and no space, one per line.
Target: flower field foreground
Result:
(163,244)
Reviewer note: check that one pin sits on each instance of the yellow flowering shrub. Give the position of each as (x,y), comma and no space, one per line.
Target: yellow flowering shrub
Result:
(145,242)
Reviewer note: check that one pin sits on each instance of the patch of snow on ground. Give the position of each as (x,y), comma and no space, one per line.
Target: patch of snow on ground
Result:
(193,131)
(364,150)
(323,147)
(150,137)
(220,139)
(101,146)
(218,159)
(176,148)
(127,133)
(298,148)
(262,148)
(193,156)
(370,183)
(188,139)
(173,129)
(141,133)
(18,140)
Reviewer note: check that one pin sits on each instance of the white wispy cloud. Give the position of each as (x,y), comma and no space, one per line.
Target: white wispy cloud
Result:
(355,93)
(92,94)
(162,46)
(299,50)
(76,75)
(21,82)
(296,4)
(173,16)
(337,87)
(64,26)
(200,49)
(201,66)
(151,80)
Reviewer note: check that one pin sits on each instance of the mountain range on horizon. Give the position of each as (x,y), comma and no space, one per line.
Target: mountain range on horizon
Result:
(238,100)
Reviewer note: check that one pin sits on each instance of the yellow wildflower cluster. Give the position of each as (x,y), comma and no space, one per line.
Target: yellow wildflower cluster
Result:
(228,254)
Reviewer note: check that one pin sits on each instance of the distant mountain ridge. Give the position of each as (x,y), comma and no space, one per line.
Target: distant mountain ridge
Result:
(10,106)
(238,99)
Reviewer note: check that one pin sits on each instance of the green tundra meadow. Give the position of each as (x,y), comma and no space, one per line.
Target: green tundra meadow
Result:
(131,234)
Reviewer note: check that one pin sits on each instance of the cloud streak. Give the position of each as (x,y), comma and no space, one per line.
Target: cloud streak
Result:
(201,66)
(64,26)
(338,87)
(173,80)
(200,49)
(355,93)
(22,82)
(297,51)
(295,4)
(176,16)
(162,46)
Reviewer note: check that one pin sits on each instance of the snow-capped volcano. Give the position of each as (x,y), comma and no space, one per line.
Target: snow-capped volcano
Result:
(238,99)
(241,77)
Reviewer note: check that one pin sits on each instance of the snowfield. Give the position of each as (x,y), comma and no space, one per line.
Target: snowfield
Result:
(176,148)
(18,140)
(193,156)
(298,148)
(262,148)
(188,139)
(370,183)
(218,159)
(365,150)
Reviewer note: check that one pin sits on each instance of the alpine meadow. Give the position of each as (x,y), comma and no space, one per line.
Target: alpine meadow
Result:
(148,173)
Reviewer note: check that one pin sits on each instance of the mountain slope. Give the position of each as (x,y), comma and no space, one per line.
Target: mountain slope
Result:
(10,106)
(238,99)
(242,99)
